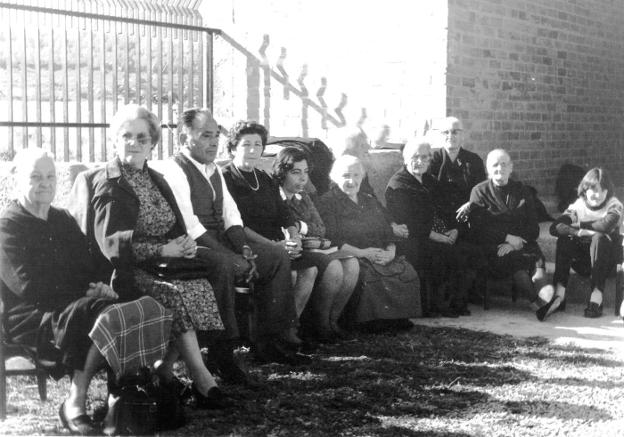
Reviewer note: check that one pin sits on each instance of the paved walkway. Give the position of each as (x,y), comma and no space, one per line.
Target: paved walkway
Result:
(570,327)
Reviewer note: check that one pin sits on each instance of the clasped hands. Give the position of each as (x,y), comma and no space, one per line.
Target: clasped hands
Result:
(182,246)
(512,242)
(377,255)
(99,289)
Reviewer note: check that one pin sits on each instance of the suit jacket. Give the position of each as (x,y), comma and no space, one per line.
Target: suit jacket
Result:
(497,213)
(106,209)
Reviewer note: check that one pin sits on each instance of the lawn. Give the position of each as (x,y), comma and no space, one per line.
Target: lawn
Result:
(425,382)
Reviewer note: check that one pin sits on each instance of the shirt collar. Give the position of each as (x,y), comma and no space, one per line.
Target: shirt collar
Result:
(284,197)
(208,169)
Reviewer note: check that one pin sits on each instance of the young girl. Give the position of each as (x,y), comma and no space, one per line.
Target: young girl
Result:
(588,240)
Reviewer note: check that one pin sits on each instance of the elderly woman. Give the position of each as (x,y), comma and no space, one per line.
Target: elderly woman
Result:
(266,217)
(52,302)
(129,214)
(357,224)
(504,218)
(432,247)
(588,240)
(334,286)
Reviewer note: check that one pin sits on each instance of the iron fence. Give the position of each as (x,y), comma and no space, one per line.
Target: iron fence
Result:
(66,66)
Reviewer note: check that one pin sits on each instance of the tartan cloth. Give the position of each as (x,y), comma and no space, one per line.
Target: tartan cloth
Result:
(133,334)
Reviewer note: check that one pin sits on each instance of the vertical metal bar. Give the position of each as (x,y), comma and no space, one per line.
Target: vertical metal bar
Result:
(127,66)
(159,91)
(65,96)
(24,87)
(209,71)
(103,154)
(148,70)
(191,79)
(78,95)
(115,67)
(90,92)
(137,44)
(200,71)
(171,95)
(180,73)
(52,93)
(10,86)
(38,85)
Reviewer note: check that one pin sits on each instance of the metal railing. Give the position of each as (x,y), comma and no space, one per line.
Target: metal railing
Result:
(67,65)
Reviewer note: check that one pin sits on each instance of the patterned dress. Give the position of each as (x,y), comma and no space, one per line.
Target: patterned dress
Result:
(192,301)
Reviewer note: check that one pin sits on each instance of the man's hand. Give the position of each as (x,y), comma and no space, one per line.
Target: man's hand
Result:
(504,249)
(515,242)
(586,233)
(183,246)
(101,290)
(452,235)
(250,257)
(463,212)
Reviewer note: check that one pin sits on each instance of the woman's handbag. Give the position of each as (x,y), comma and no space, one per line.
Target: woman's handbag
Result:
(390,291)
(176,268)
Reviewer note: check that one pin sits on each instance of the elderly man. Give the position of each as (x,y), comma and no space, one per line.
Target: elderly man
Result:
(432,245)
(456,169)
(505,220)
(212,218)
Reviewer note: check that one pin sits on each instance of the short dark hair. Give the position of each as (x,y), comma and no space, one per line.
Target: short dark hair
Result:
(594,177)
(286,160)
(187,118)
(245,127)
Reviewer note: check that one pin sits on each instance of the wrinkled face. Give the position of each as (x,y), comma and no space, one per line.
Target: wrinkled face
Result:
(499,167)
(596,195)
(37,183)
(452,136)
(418,163)
(248,152)
(134,143)
(296,178)
(350,179)
(202,139)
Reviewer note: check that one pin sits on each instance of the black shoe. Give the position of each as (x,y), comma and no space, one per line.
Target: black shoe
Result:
(273,352)
(220,361)
(546,309)
(214,400)
(449,312)
(593,310)
(555,305)
(81,425)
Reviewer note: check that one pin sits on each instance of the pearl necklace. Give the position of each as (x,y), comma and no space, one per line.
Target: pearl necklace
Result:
(247,182)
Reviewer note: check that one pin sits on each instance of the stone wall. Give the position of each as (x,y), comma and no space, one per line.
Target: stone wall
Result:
(543,79)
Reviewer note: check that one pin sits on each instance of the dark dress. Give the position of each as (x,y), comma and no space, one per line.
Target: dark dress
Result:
(263,210)
(45,268)
(498,211)
(364,225)
(128,215)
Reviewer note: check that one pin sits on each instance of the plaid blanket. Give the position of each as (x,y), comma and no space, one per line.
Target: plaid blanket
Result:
(133,334)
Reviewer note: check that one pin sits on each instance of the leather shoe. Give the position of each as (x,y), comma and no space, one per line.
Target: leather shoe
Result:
(81,425)
(215,399)
(220,361)
(593,310)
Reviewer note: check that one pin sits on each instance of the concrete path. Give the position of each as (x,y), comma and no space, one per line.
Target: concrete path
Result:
(568,328)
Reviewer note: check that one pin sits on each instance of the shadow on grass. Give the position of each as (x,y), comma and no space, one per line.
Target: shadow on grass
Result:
(552,409)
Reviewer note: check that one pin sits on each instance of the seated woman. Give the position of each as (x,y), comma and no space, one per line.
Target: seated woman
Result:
(504,219)
(432,247)
(52,302)
(335,286)
(357,224)
(265,215)
(129,214)
(588,240)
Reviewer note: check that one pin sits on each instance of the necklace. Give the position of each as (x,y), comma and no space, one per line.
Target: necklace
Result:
(249,184)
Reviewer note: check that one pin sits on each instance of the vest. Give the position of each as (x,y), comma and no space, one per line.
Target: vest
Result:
(209,211)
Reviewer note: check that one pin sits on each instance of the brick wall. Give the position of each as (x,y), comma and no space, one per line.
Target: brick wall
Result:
(542,78)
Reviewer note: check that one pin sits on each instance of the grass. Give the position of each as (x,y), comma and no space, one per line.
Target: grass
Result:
(425,382)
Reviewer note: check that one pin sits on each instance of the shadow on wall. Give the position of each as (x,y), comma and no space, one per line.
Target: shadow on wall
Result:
(256,65)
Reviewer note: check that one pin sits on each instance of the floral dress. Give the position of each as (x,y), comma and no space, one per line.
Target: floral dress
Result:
(192,301)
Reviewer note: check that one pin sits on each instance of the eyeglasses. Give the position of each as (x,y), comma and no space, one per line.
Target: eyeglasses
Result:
(451,131)
(140,139)
(421,158)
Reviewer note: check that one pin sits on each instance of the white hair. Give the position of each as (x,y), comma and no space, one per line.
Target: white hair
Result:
(343,162)
(412,146)
(25,158)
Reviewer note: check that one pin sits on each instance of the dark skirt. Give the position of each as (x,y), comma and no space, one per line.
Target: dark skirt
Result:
(63,335)
(524,259)
(311,259)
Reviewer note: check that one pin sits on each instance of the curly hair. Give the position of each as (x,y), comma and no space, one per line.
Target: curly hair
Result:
(596,177)
(131,112)
(243,127)
(286,160)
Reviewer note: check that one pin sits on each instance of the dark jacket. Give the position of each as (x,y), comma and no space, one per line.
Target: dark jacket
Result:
(497,212)
(456,179)
(106,208)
